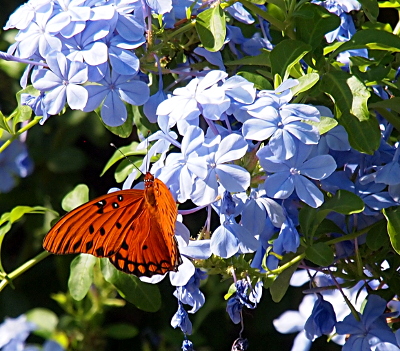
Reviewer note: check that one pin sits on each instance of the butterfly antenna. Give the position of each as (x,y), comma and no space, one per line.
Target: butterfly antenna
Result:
(113,145)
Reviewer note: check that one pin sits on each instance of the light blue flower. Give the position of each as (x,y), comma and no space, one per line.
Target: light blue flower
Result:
(341,8)
(69,17)
(322,319)
(36,37)
(201,96)
(190,293)
(181,320)
(280,122)
(13,333)
(24,14)
(370,330)
(62,83)
(219,155)
(292,175)
(181,168)
(14,162)
(187,345)
(111,91)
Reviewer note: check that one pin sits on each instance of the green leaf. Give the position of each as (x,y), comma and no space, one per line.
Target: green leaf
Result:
(281,283)
(211,28)
(306,82)
(45,320)
(320,254)
(128,150)
(23,113)
(371,39)
(350,97)
(81,275)
(121,331)
(307,217)
(364,136)
(76,197)
(324,125)
(377,237)
(260,82)
(393,227)
(142,123)
(260,60)
(18,211)
(144,296)
(344,202)
(392,103)
(285,55)
(313,22)
(371,9)
(3,123)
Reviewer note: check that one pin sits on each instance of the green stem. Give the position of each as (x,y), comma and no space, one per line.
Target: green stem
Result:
(19,132)
(288,264)
(23,268)
(181,30)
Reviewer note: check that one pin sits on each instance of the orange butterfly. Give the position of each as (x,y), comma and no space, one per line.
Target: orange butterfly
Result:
(133,228)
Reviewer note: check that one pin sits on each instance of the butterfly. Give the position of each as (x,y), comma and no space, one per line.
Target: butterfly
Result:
(133,228)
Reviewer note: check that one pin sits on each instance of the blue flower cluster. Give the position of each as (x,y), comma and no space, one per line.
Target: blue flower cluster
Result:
(81,42)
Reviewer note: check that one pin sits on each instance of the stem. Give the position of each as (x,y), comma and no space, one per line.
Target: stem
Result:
(288,264)
(18,133)
(23,268)
(183,29)
(348,303)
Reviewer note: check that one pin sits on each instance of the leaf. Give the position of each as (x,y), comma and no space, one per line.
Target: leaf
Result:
(393,227)
(313,22)
(81,275)
(120,153)
(260,60)
(141,121)
(76,197)
(121,331)
(23,113)
(392,103)
(320,254)
(45,320)
(3,123)
(371,9)
(281,283)
(306,82)
(364,136)
(211,28)
(377,237)
(371,39)
(350,97)
(324,125)
(285,55)
(144,296)
(344,202)
(307,217)
(260,82)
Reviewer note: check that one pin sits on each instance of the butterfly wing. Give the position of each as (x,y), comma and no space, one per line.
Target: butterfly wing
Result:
(150,246)
(97,227)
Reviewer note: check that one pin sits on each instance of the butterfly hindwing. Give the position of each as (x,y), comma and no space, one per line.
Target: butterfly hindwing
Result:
(150,246)
(97,227)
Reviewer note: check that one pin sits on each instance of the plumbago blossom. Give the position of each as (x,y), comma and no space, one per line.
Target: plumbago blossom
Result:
(294,164)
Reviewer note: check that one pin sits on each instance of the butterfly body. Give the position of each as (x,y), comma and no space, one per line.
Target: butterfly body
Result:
(133,228)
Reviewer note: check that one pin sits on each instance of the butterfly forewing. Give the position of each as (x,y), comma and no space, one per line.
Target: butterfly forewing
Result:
(97,227)
(133,228)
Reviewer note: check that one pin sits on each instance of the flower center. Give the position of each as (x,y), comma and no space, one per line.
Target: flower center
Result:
(294,171)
